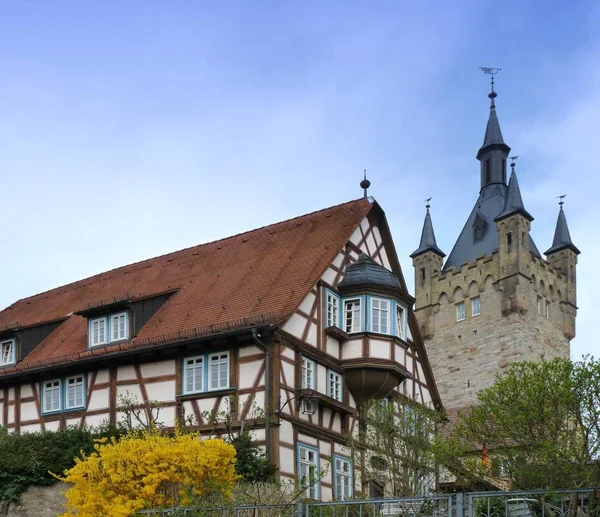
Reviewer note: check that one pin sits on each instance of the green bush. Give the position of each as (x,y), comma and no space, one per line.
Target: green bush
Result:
(26,459)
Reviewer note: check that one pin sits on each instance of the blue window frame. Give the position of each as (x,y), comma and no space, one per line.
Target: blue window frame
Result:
(332,309)
(335,385)
(64,394)
(108,329)
(207,372)
(308,470)
(343,479)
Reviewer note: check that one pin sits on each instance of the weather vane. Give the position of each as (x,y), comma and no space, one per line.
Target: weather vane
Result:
(562,197)
(491,71)
(427,205)
(512,163)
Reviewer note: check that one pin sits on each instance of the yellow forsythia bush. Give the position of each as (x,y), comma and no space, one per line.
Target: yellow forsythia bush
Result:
(149,471)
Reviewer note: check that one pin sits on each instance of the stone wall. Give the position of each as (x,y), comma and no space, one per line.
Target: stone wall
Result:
(466,356)
(37,501)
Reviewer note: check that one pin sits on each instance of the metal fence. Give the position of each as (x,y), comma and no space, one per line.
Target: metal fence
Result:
(558,503)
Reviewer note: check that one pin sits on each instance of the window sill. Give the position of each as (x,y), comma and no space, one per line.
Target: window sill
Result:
(103,345)
(337,333)
(325,401)
(205,394)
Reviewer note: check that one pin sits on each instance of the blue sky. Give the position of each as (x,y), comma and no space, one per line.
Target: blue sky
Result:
(130,129)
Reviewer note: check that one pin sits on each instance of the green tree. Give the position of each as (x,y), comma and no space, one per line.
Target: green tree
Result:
(539,424)
(394,446)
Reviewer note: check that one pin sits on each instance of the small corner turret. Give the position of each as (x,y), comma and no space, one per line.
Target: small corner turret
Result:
(562,255)
(427,262)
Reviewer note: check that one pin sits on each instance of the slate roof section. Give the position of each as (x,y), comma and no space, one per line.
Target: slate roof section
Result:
(493,135)
(491,203)
(257,277)
(514,202)
(364,272)
(562,236)
(428,242)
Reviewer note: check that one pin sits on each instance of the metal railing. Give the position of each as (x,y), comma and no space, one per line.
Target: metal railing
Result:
(557,503)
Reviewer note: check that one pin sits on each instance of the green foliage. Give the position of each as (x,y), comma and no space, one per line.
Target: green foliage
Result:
(541,421)
(252,464)
(26,459)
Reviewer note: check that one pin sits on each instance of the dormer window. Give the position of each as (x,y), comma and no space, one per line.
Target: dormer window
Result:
(108,329)
(8,350)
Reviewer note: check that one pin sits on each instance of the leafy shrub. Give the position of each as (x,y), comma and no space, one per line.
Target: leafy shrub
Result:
(26,459)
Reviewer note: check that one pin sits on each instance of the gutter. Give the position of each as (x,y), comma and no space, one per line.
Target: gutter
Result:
(262,346)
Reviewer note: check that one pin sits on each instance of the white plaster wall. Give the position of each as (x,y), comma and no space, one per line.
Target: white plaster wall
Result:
(309,440)
(131,390)
(26,391)
(329,276)
(28,411)
(333,347)
(356,236)
(52,426)
(286,461)
(72,421)
(288,352)
(311,338)
(307,303)
(371,244)
(400,354)
(352,349)
(321,378)
(99,399)
(289,371)
(337,423)
(365,225)
(338,260)
(379,349)
(102,376)
(96,420)
(158,368)
(161,391)
(33,428)
(167,416)
(286,433)
(295,325)
(11,414)
(249,350)
(125,373)
(248,373)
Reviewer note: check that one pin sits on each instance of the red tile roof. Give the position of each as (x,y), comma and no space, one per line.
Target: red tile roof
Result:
(256,277)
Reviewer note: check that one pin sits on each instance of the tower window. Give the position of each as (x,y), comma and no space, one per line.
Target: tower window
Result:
(487,171)
(422,277)
(503,170)
(539,305)
(523,239)
(547,310)
(509,241)
(460,311)
(476,306)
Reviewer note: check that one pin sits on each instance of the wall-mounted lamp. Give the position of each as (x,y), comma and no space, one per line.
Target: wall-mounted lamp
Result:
(308,402)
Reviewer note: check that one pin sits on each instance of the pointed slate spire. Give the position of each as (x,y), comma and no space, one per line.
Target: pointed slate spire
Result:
(514,201)
(428,242)
(562,237)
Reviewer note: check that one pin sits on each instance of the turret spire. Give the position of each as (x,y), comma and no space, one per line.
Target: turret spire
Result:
(562,237)
(514,201)
(494,151)
(428,242)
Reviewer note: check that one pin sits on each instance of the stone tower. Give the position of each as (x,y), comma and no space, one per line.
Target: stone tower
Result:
(495,300)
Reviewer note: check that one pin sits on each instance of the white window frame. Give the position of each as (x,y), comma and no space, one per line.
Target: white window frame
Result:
(8,352)
(308,466)
(333,309)
(309,374)
(547,309)
(401,321)
(219,362)
(460,311)
(93,321)
(115,318)
(78,384)
(354,326)
(198,359)
(335,386)
(343,482)
(56,385)
(382,310)
(476,304)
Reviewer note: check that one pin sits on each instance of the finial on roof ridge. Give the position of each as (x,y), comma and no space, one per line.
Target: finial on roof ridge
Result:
(365,184)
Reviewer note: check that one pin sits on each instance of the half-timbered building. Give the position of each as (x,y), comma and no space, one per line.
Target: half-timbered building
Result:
(309,315)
